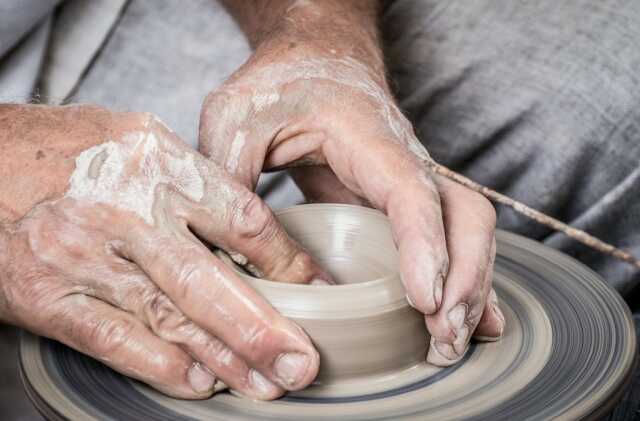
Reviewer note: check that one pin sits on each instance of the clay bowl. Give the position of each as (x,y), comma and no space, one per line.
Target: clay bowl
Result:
(363,327)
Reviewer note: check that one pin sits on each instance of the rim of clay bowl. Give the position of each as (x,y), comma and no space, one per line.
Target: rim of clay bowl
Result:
(362,299)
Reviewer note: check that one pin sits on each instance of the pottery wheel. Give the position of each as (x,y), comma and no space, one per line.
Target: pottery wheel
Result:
(568,351)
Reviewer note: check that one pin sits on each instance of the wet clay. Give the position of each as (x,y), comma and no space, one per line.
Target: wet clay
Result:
(364,328)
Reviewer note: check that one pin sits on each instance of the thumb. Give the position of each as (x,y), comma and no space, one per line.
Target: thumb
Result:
(237,220)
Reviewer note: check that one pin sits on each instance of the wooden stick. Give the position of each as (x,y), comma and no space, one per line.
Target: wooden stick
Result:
(576,234)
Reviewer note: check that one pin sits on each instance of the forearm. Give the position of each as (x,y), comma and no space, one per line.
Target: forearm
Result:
(38,146)
(329,27)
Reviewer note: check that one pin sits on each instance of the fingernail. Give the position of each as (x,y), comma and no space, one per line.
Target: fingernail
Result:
(200,378)
(443,354)
(219,386)
(457,317)
(238,258)
(318,281)
(461,341)
(445,349)
(252,269)
(261,384)
(291,368)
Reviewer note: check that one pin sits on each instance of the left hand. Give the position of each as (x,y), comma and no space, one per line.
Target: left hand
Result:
(115,261)
(332,120)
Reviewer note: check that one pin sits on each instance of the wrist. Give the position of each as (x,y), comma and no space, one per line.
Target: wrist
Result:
(328,29)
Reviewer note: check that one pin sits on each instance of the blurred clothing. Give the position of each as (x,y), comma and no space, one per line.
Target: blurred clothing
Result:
(24,33)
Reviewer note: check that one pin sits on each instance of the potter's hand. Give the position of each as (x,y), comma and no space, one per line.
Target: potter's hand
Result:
(111,262)
(313,98)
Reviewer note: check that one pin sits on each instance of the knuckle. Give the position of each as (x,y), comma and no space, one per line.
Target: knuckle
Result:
(215,348)
(107,336)
(157,304)
(56,241)
(164,318)
(252,219)
(181,278)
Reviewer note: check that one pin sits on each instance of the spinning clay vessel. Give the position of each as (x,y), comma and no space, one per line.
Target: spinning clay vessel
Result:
(363,327)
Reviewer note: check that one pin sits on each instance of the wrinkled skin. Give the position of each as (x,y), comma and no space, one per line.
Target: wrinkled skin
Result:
(146,296)
(322,109)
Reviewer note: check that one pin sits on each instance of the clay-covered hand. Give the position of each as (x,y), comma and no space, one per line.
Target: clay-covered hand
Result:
(320,106)
(112,261)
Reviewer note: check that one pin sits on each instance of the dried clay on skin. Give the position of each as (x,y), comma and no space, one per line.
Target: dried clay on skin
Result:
(263,100)
(109,174)
(235,151)
(345,71)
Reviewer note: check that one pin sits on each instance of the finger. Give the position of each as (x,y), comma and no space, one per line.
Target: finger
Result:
(492,324)
(252,235)
(232,217)
(469,222)
(131,290)
(170,324)
(123,343)
(213,297)
(394,181)
(320,185)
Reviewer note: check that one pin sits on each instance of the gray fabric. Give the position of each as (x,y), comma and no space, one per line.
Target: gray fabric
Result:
(19,17)
(20,67)
(24,32)
(81,27)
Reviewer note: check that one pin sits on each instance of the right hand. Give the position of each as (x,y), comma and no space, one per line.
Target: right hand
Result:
(115,267)
(332,121)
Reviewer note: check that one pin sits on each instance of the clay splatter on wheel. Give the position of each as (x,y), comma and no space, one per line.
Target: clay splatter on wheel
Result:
(568,349)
